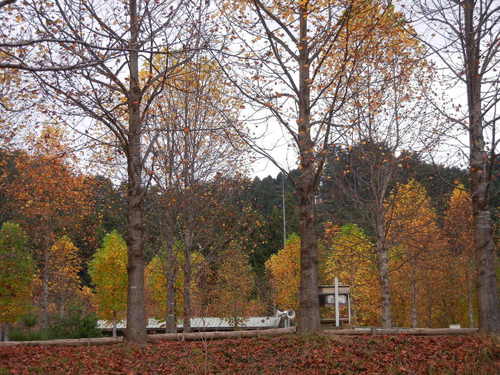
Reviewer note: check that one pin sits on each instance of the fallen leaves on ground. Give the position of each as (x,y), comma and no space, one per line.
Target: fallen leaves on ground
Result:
(289,354)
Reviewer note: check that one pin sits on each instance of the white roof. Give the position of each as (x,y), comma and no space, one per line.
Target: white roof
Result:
(205,322)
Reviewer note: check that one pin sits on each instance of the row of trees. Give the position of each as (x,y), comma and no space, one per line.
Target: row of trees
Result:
(323,70)
(226,289)
(432,267)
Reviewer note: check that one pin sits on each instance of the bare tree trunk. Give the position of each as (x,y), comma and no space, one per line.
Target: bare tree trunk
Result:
(136,313)
(489,307)
(171,273)
(45,288)
(383,268)
(187,282)
(470,309)
(413,291)
(308,317)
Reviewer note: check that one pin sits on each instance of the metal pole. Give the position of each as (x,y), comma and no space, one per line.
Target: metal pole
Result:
(337,312)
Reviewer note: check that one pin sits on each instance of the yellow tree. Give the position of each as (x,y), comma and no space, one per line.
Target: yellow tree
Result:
(16,275)
(462,264)
(108,270)
(284,271)
(417,252)
(156,274)
(64,266)
(350,256)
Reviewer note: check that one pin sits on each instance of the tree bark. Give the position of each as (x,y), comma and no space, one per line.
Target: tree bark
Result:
(470,291)
(413,291)
(308,317)
(136,314)
(171,273)
(479,165)
(383,266)
(45,288)
(187,282)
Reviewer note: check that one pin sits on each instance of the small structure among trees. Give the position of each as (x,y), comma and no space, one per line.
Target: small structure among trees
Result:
(335,299)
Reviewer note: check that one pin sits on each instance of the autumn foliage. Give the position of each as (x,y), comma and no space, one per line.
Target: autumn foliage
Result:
(108,270)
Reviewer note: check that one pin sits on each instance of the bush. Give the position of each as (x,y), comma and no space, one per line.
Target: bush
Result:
(76,324)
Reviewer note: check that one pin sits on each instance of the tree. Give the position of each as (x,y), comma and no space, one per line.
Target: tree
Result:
(48,198)
(417,248)
(284,269)
(459,231)
(196,147)
(157,285)
(350,256)
(388,120)
(234,287)
(16,275)
(64,266)
(108,271)
(464,36)
(298,62)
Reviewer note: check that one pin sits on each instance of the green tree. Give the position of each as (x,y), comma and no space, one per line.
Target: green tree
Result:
(108,271)
(16,274)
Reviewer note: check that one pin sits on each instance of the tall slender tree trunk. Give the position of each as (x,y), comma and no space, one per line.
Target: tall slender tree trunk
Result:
(470,306)
(413,293)
(479,166)
(136,314)
(187,282)
(171,273)
(383,268)
(308,317)
(45,288)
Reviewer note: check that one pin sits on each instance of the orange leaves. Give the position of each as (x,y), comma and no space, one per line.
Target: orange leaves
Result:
(234,285)
(47,196)
(264,355)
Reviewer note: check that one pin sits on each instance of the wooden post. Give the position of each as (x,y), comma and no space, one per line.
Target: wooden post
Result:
(348,296)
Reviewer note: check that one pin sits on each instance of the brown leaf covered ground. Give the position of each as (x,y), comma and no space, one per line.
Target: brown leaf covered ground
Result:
(277,355)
